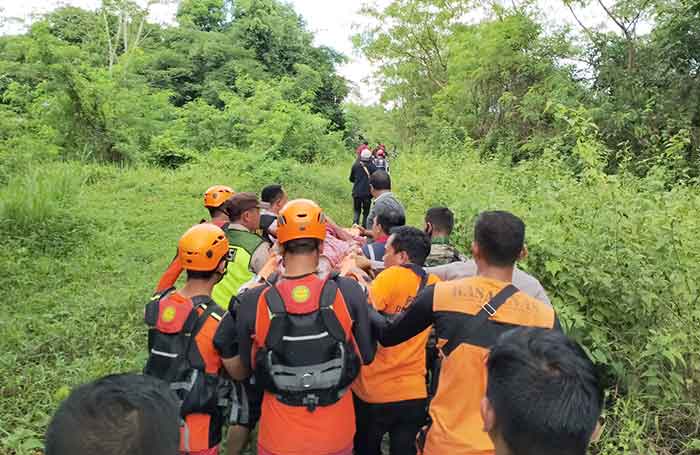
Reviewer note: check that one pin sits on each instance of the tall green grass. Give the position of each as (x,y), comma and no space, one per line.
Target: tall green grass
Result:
(83,246)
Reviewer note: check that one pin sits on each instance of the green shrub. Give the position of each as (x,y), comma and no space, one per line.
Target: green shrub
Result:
(619,257)
(43,200)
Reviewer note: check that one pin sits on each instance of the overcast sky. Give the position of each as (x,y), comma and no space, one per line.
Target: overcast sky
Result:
(332,21)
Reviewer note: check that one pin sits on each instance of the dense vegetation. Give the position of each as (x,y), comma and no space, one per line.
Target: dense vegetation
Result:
(111,127)
(513,84)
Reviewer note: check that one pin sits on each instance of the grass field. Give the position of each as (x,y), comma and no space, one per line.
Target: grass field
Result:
(85,244)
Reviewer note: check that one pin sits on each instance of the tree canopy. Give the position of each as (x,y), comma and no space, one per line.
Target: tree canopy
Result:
(514,84)
(109,85)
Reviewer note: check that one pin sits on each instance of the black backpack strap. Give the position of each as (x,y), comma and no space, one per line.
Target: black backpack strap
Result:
(211,309)
(325,306)
(194,324)
(487,310)
(278,319)
(364,168)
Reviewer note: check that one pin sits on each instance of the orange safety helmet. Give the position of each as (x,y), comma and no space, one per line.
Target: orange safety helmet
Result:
(202,247)
(301,219)
(217,195)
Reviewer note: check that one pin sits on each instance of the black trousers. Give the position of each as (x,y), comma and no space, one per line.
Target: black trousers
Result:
(361,205)
(401,419)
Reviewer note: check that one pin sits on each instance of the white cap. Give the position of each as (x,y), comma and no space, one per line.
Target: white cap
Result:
(366,154)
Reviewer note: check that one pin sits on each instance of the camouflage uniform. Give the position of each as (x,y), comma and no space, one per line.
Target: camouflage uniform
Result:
(441,253)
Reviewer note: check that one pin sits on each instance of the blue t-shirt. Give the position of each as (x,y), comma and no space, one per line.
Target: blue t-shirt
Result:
(374,251)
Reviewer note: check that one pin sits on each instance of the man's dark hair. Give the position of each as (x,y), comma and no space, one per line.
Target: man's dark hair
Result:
(380,180)
(200,274)
(390,219)
(545,393)
(302,246)
(501,237)
(214,210)
(414,242)
(366,142)
(441,218)
(272,193)
(119,414)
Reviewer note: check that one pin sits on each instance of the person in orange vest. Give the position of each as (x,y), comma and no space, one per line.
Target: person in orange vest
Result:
(304,338)
(182,324)
(391,393)
(544,395)
(214,199)
(469,315)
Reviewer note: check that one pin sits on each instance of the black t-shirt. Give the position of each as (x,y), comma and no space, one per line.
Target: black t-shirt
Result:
(266,220)
(359,176)
(225,338)
(234,335)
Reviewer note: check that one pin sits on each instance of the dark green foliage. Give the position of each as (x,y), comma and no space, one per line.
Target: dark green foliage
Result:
(593,138)
(108,86)
(503,83)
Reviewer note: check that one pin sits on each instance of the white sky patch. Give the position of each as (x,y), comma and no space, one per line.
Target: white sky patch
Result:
(333,23)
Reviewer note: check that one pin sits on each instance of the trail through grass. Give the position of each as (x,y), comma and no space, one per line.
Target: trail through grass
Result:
(84,245)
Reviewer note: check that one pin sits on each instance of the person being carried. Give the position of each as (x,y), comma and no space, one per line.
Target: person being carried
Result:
(391,394)
(214,199)
(274,197)
(360,174)
(249,251)
(381,229)
(439,222)
(97,418)
(469,315)
(182,324)
(384,199)
(543,397)
(305,339)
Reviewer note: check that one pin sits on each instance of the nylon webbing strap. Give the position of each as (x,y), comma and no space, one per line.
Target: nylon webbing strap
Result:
(299,379)
(274,301)
(487,310)
(328,294)
(278,319)
(325,305)
(209,308)
(365,169)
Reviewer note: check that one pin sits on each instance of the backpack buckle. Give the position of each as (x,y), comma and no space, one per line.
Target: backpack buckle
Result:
(311,402)
(488,308)
(307,380)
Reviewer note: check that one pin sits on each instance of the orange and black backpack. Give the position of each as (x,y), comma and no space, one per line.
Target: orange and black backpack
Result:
(310,359)
(173,355)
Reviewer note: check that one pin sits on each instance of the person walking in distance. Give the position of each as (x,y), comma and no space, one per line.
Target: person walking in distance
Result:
(360,173)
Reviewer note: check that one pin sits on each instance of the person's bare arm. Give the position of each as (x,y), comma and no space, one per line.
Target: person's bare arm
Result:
(235,368)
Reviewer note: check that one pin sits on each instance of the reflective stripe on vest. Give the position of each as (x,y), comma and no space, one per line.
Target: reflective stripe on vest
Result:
(242,246)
